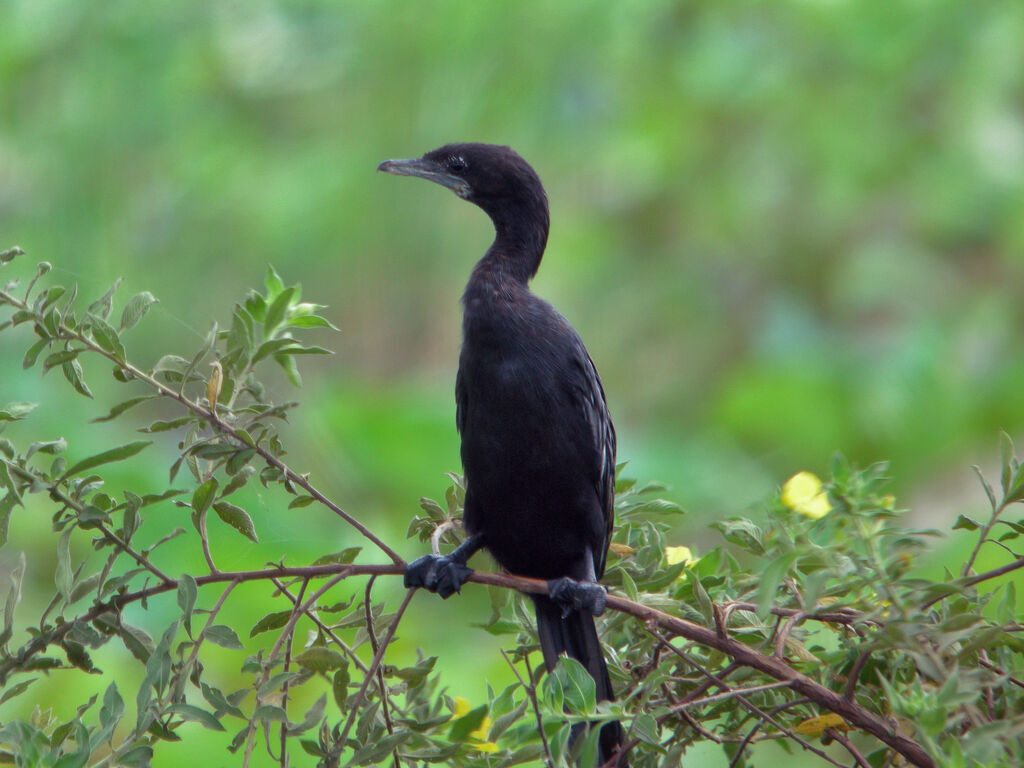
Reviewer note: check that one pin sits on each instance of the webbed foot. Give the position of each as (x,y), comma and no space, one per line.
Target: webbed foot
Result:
(575,595)
(437,573)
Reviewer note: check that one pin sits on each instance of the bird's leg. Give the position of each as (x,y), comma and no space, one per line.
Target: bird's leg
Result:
(583,594)
(444,574)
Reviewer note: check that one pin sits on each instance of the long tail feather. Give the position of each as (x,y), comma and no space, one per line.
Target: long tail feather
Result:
(576,636)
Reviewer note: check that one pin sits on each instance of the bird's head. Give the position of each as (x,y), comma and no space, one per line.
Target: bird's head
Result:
(493,177)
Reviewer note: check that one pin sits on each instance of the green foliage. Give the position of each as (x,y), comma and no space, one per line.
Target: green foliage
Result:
(812,626)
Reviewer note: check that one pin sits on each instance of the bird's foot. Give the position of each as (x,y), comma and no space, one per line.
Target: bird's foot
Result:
(575,595)
(437,573)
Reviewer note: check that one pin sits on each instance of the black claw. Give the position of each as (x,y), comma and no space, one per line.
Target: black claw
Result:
(437,573)
(575,595)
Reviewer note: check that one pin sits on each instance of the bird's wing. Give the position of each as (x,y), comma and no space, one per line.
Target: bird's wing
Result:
(590,400)
(460,401)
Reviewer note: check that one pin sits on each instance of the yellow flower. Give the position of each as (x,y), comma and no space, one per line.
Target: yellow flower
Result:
(479,736)
(815,726)
(682,555)
(462,706)
(802,493)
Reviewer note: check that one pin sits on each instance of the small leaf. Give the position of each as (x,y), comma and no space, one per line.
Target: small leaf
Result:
(320,659)
(120,408)
(204,495)
(106,337)
(270,622)
(73,373)
(965,523)
(224,636)
(114,454)
(188,591)
(276,311)
(16,411)
(301,501)
(269,713)
(237,518)
(33,353)
(136,307)
(339,687)
(469,722)
(273,282)
(344,557)
(197,715)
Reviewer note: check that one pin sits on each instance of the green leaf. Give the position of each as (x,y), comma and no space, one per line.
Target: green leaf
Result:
(577,685)
(270,622)
(291,370)
(312,717)
(16,690)
(301,501)
(965,523)
(311,321)
(468,723)
(277,310)
(103,305)
(63,575)
(237,518)
(270,714)
(197,715)
(645,727)
(33,353)
(106,337)
(344,557)
(339,687)
(16,411)
(120,408)
(114,454)
(320,659)
(224,636)
(136,307)
(204,495)
(166,426)
(73,373)
(273,282)
(188,591)
(136,757)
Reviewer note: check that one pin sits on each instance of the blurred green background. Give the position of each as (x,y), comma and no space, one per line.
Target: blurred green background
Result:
(782,228)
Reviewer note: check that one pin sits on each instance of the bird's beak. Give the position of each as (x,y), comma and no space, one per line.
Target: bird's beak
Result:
(426,169)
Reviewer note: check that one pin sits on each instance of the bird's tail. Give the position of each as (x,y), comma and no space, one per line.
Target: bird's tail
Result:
(576,636)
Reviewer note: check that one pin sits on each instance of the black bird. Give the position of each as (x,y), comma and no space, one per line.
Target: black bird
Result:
(538,445)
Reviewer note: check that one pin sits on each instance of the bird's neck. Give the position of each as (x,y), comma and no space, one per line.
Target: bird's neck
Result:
(520,235)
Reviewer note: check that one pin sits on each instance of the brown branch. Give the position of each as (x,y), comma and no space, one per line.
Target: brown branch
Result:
(743,654)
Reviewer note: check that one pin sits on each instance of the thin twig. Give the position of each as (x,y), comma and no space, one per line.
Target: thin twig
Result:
(531,694)
(743,701)
(330,633)
(284,686)
(855,753)
(385,708)
(357,700)
(730,693)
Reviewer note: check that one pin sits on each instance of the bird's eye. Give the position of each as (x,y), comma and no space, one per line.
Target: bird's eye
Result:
(456,164)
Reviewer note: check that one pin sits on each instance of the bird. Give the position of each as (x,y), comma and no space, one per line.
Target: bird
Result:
(537,441)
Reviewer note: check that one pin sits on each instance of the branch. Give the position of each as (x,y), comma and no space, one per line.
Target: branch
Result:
(825,698)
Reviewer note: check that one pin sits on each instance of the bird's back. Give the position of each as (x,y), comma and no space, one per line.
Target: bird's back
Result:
(537,443)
